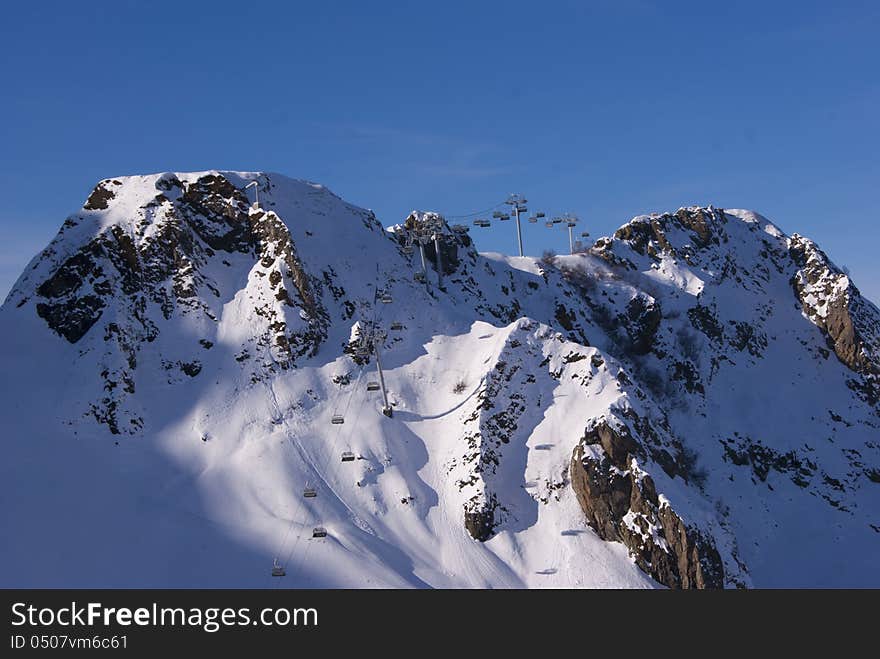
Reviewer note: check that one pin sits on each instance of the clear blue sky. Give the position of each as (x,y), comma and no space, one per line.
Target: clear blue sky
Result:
(607,109)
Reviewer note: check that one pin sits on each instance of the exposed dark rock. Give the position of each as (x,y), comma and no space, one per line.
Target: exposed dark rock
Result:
(763,459)
(100,196)
(746,337)
(833,303)
(73,317)
(565,317)
(685,372)
(192,369)
(642,319)
(704,320)
(622,507)
(68,277)
(480,522)
(618,445)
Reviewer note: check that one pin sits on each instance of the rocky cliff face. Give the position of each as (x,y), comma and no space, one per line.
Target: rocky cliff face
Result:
(621,504)
(699,389)
(831,301)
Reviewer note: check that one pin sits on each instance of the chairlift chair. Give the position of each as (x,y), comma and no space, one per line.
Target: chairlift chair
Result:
(585,234)
(372,386)
(419,276)
(337,420)
(310,493)
(396,326)
(497,214)
(277,570)
(347,456)
(504,217)
(549,225)
(539,214)
(385,299)
(407,249)
(319,532)
(571,224)
(533,219)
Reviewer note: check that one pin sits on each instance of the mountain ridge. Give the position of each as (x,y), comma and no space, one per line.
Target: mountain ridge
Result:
(616,398)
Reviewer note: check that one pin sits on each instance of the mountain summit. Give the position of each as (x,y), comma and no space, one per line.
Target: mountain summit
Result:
(192,392)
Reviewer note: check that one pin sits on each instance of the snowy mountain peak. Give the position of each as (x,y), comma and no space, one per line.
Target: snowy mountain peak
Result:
(693,402)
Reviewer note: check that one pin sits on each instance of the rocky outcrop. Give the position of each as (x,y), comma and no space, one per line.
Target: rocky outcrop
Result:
(101,195)
(621,504)
(832,302)
(647,235)
(642,319)
(479,518)
(426,224)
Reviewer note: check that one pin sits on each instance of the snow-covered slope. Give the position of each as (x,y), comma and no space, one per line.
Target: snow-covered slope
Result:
(693,403)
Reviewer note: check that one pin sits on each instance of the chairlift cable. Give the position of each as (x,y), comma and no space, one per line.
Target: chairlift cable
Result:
(332,467)
(466,215)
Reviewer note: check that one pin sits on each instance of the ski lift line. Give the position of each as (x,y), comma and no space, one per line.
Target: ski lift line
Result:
(305,554)
(486,210)
(310,464)
(334,407)
(308,461)
(302,506)
(329,468)
(332,467)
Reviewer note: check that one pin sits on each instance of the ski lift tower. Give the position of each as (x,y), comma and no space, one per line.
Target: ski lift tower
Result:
(256,186)
(438,257)
(371,338)
(427,227)
(517,204)
(570,221)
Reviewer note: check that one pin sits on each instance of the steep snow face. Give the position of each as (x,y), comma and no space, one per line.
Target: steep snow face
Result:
(691,404)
